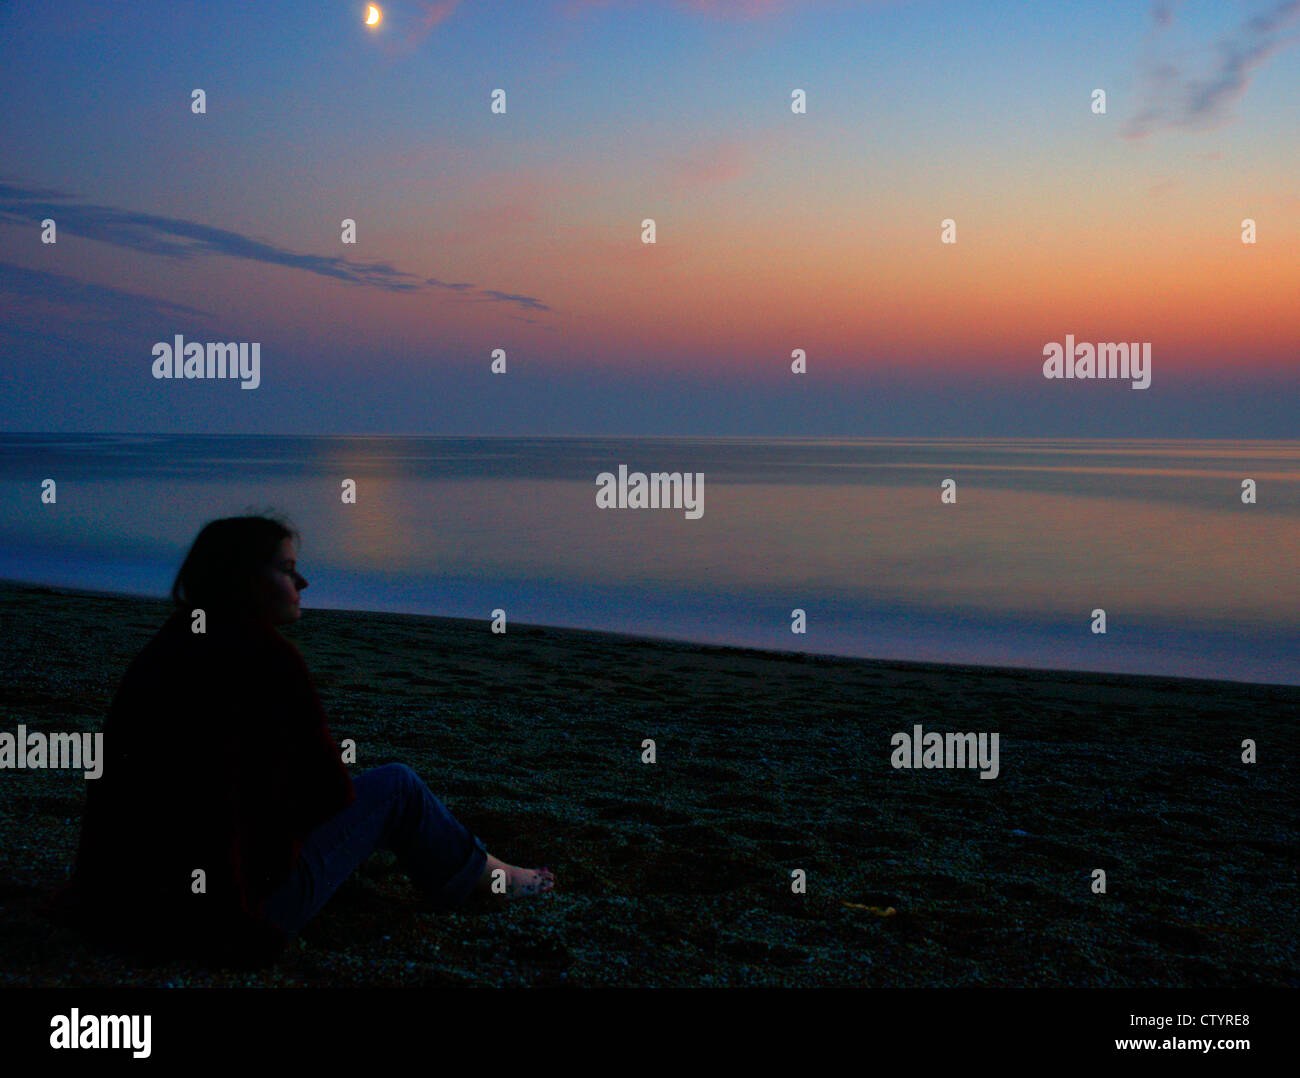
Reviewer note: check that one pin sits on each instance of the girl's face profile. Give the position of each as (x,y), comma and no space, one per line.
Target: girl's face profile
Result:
(279,585)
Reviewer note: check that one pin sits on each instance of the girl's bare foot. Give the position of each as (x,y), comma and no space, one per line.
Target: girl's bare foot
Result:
(504,881)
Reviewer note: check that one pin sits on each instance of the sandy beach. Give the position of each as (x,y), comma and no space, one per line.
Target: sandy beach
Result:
(679,872)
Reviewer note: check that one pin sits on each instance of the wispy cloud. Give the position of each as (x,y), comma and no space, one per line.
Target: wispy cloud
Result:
(95,300)
(38,306)
(175,238)
(407,26)
(1164,10)
(1174,98)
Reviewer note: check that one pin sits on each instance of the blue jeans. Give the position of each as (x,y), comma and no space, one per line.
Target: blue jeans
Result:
(393,810)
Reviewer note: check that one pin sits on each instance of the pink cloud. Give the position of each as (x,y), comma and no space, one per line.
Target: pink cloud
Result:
(742,9)
(412,30)
(432,12)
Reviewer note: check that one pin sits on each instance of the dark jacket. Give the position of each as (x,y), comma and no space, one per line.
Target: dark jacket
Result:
(217,756)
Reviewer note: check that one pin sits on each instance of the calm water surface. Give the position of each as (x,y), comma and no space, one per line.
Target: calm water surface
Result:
(1194,582)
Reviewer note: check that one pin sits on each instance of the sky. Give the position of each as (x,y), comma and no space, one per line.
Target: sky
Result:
(775,230)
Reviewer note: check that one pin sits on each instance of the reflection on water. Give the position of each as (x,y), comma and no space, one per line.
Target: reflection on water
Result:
(1193,581)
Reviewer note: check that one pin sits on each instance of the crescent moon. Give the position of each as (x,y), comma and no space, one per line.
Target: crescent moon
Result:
(372,15)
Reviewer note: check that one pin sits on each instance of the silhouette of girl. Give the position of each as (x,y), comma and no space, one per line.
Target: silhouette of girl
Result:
(218,758)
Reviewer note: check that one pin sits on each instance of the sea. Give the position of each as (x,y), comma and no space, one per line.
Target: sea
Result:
(990,552)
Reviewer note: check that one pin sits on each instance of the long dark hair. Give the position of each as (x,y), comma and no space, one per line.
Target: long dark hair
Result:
(221,568)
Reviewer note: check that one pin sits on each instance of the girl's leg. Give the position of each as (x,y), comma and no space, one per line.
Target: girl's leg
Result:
(393,810)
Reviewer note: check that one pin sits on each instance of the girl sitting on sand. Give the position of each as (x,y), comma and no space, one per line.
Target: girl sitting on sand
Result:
(218,758)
